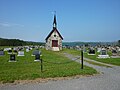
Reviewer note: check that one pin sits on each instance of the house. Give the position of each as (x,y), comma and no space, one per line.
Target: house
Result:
(54,38)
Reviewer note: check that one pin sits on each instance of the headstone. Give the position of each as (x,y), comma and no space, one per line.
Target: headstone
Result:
(12,58)
(6,49)
(99,49)
(84,50)
(27,50)
(119,51)
(14,51)
(91,51)
(37,57)
(20,53)
(1,53)
(9,51)
(114,52)
(30,48)
(103,54)
(35,52)
(15,48)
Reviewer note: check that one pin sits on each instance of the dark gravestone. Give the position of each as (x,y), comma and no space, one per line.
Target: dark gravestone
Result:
(103,52)
(91,51)
(1,53)
(9,51)
(114,52)
(12,58)
(37,57)
(15,51)
(36,52)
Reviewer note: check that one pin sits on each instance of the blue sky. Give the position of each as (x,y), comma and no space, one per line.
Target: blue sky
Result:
(77,20)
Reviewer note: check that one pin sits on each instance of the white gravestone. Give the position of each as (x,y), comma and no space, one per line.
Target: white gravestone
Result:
(27,50)
(99,49)
(103,54)
(20,53)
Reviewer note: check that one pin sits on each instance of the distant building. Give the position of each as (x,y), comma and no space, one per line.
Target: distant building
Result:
(54,39)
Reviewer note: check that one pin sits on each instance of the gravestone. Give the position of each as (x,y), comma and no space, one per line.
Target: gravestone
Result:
(103,54)
(84,50)
(27,50)
(99,49)
(6,49)
(35,52)
(119,51)
(37,57)
(2,53)
(9,51)
(14,51)
(114,52)
(20,53)
(91,51)
(12,58)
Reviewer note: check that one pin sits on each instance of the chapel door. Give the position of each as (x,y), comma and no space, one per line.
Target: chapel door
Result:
(54,43)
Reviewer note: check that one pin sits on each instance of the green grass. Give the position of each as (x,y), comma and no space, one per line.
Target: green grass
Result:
(114,61)
(72,51)
(98,64)
(26,69)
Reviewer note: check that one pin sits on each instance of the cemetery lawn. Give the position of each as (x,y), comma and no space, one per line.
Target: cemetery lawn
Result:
(55,64)
(114,61)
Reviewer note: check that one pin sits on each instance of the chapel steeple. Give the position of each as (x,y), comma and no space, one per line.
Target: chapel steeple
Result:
(55,22)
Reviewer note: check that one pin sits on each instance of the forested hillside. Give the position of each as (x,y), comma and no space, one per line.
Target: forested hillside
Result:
(17,42)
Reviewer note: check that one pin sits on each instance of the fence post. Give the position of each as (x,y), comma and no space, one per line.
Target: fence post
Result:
(81,59)
(41,65)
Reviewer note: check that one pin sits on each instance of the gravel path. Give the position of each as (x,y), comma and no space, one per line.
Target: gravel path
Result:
(109,79)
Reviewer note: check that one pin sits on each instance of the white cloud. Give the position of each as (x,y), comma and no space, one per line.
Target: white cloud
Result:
(6,24)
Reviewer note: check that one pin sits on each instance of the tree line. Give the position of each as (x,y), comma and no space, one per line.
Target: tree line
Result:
(17,42)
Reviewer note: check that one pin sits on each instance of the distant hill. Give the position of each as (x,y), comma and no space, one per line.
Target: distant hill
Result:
(89,43)
(17,42)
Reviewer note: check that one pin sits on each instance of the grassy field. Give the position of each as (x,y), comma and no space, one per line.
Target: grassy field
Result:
(114,61)
(54,65)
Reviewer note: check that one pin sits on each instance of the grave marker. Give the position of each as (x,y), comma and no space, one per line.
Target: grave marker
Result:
(99,49)
(114,52)
(20,53)
(35,52)
(27,50)
(37,57)
(12,58)
(14,51)
(103,54)
(9,51)
(91,51)
(2,53)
